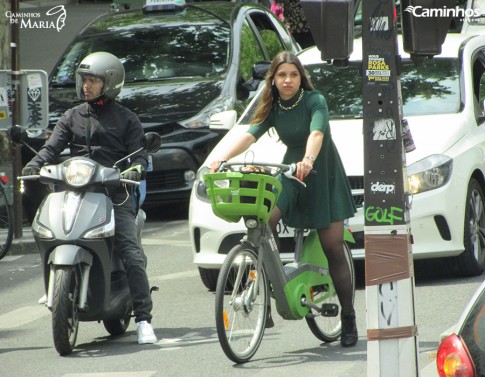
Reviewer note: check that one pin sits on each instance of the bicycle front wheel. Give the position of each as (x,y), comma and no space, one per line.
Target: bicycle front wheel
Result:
(6,224)
(242,300)
(328,329)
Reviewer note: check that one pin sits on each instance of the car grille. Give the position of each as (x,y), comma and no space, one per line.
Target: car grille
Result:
(163,180)
(357,186)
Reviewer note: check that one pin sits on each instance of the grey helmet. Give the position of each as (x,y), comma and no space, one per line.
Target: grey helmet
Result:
(106,66)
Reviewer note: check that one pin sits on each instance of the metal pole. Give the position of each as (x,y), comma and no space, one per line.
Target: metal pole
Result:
(17,158)
(391,328)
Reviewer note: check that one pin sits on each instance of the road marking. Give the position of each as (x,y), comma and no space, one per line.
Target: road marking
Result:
(21,316)
(11,258)
(176,275)
(179,343)
(159,241)
(147,373)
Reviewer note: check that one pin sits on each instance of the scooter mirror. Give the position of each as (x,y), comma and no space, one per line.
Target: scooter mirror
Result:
(152,141)
(18,134)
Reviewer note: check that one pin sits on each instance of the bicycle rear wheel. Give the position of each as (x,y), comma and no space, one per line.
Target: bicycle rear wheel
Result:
(241,304)
(328,329)
(6,224)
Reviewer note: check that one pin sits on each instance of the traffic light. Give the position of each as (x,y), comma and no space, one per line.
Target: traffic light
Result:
(425,24)
(331,23)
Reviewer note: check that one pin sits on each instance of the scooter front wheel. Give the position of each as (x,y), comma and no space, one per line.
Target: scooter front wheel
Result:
(65,316)
(241,304)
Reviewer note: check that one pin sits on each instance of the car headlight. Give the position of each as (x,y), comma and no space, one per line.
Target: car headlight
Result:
(78,173)
(203,118)
(430,173)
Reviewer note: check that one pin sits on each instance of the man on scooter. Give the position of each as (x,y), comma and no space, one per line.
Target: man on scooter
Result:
(106,131)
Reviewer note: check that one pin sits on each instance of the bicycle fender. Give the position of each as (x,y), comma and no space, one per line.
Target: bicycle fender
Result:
(70,255)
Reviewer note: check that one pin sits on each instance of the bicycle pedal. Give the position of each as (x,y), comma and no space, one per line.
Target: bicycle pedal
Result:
(330,310)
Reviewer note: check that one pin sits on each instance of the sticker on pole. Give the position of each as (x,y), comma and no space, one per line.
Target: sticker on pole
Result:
(33,98)
(377,69)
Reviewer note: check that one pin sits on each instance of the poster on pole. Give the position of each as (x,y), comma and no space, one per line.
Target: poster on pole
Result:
(33,97)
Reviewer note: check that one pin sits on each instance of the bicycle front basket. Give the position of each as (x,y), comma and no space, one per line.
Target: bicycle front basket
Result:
(236,194)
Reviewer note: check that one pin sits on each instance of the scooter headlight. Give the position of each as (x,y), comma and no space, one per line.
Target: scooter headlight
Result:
(104,231)
(78,173)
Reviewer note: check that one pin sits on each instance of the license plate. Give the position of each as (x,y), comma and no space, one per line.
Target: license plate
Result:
(150,163)
(285,231)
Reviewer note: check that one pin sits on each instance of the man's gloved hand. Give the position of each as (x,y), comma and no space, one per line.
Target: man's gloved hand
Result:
(30,170)
(134,173)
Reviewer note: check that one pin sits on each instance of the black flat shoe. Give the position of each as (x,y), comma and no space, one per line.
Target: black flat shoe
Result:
(349,335)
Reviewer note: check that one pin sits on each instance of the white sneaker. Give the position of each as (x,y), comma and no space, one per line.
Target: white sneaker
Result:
(145,333)
(43,300)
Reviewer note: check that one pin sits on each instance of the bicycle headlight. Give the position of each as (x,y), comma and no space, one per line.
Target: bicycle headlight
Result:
(78,173)
(430,173)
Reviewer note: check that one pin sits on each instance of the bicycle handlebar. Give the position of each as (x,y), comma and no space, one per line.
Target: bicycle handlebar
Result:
(285,169)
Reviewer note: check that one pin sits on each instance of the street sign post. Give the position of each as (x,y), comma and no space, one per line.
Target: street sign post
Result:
(33,98)
(391,328)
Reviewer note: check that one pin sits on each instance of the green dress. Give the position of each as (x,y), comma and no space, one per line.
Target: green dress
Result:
(327,197)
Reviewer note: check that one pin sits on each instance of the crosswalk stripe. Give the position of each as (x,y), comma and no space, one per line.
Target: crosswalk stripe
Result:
(21,316)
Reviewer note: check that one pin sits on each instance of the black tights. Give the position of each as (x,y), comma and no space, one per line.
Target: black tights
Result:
(331,239)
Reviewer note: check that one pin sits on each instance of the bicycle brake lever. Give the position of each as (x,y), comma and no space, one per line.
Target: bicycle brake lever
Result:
(289,174)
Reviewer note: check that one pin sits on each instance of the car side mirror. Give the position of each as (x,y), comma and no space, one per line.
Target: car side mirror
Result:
(153,141)
(260,69)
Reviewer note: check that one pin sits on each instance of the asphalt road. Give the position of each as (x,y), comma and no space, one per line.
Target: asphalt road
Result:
(184,323)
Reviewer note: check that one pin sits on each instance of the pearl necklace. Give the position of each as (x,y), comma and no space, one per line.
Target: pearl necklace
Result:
(294,105)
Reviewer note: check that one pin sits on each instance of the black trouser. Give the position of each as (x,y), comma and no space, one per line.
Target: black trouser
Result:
(129,251)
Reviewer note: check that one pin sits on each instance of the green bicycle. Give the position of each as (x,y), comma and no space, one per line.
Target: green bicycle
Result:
(252,271)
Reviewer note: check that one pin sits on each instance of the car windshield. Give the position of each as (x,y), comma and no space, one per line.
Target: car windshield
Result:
(171,51)
(473,333)
(432,88)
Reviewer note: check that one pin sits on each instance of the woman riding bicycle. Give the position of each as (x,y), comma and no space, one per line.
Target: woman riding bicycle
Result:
(299,115)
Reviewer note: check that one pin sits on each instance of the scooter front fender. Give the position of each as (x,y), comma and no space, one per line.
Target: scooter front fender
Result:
(70,255)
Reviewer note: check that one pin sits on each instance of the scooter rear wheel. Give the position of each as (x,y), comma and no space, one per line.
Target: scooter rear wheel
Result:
(65,316)
(117,327)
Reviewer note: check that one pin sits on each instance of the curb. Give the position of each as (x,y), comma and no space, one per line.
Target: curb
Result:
(23,245)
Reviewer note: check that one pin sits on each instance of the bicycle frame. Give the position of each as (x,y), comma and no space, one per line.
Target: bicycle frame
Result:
(293,284)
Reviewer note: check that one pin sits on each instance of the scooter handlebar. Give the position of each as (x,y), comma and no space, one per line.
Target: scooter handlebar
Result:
(28,177)
(129,181)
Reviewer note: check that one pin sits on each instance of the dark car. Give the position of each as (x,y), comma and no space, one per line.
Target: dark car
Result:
(183,63)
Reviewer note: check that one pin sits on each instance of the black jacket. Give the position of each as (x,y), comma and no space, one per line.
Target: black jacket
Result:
(114,130)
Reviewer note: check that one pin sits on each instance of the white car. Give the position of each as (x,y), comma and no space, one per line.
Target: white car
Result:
(443,103)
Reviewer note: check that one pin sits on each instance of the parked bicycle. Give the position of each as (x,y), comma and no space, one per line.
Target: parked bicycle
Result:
(253,272)
(6,215)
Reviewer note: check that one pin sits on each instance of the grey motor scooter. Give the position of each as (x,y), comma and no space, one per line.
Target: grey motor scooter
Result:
(74,230)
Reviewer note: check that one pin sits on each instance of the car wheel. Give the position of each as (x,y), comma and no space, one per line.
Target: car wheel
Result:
(209,277)
(471,262)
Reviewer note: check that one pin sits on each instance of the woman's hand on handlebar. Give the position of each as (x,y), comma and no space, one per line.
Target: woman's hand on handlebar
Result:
(215,165)
(303,168)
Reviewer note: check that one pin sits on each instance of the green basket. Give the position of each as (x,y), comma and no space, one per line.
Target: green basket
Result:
(243,194)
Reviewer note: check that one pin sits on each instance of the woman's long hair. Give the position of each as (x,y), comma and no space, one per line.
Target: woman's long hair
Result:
(270,93)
